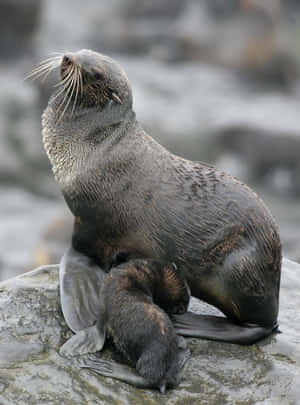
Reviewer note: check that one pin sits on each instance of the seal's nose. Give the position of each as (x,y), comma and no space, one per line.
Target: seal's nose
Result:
(68,59)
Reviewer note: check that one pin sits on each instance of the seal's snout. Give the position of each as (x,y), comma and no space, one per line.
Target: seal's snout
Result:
(68,60)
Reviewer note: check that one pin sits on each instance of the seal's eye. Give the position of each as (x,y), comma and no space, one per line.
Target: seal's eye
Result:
(98,75)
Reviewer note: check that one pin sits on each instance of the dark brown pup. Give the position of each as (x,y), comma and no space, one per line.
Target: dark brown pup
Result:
(132,298)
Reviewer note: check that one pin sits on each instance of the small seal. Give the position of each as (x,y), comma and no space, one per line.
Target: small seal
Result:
(131,198)
(131,299)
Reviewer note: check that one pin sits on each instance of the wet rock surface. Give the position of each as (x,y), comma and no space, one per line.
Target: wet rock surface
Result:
(32,330)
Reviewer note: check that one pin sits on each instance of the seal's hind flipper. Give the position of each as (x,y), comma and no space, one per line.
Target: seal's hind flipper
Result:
(176,371)
(114,370)
(181,343)
(219,329)
(89,340)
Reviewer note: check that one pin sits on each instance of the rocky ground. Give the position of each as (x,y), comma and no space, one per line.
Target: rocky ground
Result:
(32,372)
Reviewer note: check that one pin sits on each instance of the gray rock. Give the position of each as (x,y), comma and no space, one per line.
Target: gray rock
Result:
(27,225)
(19,21)
(179,30)
(32,372)
(22,157)
(267,156)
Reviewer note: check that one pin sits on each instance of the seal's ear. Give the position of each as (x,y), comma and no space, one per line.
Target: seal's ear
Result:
(178,271)
(115,97)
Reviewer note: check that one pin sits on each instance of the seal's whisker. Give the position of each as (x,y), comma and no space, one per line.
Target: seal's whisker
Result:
(57,53)
(48,72)
(63,81)
(47,61)
(39,71)
(73,85)
(77,89)
(44,68)
(81,82)
(36,76)
(60,83)
(65,84)
(66,89)
(63,87)
(60,91)
(60,116)
(66,79)
(68,95)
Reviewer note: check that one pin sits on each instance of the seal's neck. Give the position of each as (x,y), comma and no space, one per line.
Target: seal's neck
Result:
(71,140)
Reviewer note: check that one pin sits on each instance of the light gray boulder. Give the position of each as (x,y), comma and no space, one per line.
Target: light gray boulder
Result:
(32,372)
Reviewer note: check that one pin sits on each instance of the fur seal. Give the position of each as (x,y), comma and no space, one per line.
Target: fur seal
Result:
(131,299)
(131,198)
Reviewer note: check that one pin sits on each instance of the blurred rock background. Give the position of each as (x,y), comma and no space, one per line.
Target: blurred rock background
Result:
(213,80)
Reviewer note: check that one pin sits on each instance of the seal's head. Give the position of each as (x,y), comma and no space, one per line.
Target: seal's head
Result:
(94,80)
(88,79)
(172,292)
(92,103)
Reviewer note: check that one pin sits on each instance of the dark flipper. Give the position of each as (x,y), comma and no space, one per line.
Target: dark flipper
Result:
(89,340)
(219,329)
(128,374)
(114,370)
(80,282)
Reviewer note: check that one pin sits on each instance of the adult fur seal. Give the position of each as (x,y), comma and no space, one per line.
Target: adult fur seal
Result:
(131,198)
(131,299)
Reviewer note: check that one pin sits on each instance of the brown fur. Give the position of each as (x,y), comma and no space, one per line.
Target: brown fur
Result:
(135,199)
(140,330)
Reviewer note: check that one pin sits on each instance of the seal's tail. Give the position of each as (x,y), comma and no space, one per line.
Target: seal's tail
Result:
(220,329)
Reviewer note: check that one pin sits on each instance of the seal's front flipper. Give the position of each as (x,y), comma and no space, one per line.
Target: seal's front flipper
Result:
(114,370)
(219,329)
(181,343)
(89,340)
(80,282)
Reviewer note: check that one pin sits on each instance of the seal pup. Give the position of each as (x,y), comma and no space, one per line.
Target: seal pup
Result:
(132,198)
(131,301)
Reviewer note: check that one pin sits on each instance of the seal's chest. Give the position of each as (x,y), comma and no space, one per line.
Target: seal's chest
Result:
(65,157)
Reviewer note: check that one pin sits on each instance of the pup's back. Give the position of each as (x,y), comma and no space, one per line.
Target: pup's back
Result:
(141,331)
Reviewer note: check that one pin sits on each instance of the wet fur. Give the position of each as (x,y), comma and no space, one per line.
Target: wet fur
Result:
(132,198)
(140,330)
